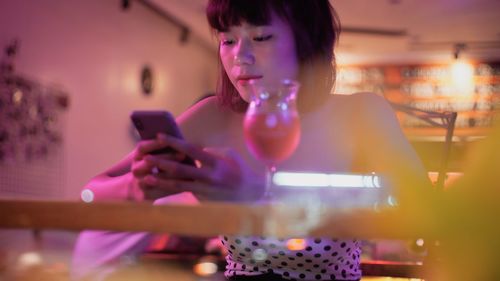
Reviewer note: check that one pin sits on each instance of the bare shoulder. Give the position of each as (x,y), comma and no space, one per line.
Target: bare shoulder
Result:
(205,107)
(368,106)
(202,118)
(363,99)
(366,112)
(358,104)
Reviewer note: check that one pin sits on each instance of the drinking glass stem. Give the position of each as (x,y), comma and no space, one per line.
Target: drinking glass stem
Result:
(269,181)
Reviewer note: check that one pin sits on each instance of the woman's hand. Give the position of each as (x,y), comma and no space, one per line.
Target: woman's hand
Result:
(141,169)
(220,174)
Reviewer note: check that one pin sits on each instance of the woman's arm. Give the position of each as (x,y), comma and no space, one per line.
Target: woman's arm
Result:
(126,179)
(115,183)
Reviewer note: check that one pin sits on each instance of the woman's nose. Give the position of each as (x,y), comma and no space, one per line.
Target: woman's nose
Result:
(243,54)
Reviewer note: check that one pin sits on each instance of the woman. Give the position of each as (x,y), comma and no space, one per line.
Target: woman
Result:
(266,41)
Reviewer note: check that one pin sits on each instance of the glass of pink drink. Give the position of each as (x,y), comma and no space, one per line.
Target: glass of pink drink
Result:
(272,125)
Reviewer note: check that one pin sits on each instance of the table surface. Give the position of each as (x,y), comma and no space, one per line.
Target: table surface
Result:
(209,219)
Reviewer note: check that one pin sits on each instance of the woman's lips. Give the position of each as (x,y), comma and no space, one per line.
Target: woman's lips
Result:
(245,80)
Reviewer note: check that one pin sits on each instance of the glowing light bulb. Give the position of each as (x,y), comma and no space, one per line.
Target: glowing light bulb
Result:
(87,196)
(462,74)
(296,244)
(29,259)
(420,242)
(205,268)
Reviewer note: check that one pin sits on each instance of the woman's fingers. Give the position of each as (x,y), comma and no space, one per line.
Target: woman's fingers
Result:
(186,148)
(180,146)
(147,146)
(141,168)
(173,169)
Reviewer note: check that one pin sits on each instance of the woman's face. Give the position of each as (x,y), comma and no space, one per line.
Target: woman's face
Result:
(265,54)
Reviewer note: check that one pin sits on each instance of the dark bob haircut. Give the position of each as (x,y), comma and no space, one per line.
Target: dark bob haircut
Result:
(315,26)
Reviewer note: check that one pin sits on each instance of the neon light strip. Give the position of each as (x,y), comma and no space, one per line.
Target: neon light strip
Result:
(326,180)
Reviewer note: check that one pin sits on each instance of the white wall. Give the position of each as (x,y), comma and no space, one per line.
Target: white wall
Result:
(96,51)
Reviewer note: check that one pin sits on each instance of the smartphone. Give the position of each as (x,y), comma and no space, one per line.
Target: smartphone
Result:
(151,122)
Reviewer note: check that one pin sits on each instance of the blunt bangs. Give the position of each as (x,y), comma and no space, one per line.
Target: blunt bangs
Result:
(223,14)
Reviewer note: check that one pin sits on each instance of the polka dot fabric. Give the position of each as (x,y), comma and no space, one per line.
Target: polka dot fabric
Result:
(321,259)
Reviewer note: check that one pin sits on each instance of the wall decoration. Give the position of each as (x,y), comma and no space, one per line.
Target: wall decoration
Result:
(147,80)
(29,114)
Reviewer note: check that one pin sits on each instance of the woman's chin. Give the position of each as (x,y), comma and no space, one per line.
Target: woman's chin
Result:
(244,94)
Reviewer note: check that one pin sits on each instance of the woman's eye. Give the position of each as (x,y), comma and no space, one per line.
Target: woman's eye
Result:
(263,38)
(226,42)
